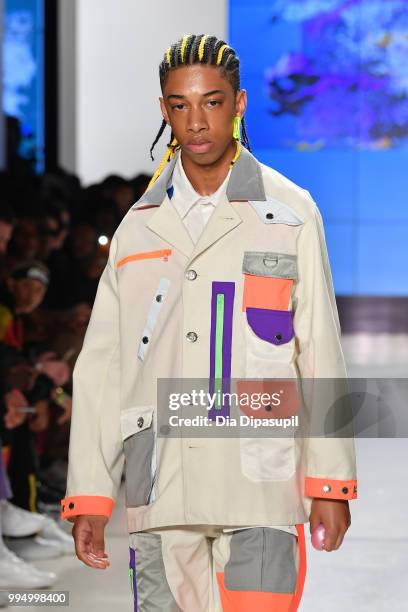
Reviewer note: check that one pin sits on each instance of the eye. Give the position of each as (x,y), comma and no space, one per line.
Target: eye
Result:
(178,106)
(214,103)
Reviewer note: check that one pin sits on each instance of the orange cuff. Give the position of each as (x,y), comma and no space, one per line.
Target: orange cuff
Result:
(332,489)
(86,504)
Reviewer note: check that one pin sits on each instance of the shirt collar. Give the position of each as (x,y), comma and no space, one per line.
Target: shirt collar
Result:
(246,182)
(183,194)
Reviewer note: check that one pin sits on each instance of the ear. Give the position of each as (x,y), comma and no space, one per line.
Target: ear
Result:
(241,102)
(164,110)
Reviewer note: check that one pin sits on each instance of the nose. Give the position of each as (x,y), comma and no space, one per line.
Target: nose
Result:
(197,120)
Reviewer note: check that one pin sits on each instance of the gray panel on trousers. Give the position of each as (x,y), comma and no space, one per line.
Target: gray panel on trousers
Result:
(138,450)
(267,263)
(262,559)
(153,591)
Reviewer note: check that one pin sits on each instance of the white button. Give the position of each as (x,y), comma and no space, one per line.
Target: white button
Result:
(191,275)
(326,488)
(191,336)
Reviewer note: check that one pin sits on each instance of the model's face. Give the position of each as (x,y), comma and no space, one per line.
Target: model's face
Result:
(200,106)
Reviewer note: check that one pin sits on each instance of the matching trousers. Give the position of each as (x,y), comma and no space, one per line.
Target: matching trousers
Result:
(205,568)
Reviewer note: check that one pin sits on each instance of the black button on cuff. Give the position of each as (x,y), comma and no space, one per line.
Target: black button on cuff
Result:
(71,505)
(345,490)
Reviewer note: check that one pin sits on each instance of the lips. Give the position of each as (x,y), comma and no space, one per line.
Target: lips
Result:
(199,146)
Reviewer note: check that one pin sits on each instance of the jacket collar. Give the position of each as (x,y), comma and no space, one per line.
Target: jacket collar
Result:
(245,182)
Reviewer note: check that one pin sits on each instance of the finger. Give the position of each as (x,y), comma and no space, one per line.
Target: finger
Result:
(98,541)
(340,538)
(82,549)
(330,539)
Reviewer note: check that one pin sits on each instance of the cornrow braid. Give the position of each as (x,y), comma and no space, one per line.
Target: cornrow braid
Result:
(201,49)
(159,133)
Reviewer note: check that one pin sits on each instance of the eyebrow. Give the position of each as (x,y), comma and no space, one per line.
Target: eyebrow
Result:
(209,93)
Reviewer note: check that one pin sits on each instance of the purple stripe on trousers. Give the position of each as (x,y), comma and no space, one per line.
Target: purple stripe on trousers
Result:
(228,289)
(132,564)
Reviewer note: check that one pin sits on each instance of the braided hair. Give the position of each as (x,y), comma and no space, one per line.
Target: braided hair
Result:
(201,49)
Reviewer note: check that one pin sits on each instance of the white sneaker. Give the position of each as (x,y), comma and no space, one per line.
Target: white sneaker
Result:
(17,522)
(17,574)
(34,548)
(4,599)
(52,532)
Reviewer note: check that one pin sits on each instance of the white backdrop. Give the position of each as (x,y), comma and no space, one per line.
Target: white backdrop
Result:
(110,51)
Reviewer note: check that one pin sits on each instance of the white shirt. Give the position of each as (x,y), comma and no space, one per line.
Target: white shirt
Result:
(194,208)
(195,211)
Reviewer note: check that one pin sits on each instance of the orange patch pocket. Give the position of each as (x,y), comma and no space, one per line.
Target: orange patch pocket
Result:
(266,292)
(268,279)
(160,254)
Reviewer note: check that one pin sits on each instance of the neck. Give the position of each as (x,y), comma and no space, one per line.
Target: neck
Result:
(206,179)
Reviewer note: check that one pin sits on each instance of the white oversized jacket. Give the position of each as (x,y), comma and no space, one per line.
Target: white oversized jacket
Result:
(253,300)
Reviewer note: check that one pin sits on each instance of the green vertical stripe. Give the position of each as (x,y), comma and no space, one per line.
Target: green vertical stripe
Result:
(131,579)
(219,331)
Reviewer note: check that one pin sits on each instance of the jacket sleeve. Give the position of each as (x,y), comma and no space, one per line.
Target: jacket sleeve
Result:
(329,461)
(95,457)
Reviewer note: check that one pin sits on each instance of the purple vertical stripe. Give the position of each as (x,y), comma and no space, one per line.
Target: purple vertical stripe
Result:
(228,289)
(132,564)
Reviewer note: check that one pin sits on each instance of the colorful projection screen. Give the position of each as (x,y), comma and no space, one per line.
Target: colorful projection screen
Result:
(327,91)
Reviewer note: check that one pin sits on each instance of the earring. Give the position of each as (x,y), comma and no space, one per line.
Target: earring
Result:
(237,128)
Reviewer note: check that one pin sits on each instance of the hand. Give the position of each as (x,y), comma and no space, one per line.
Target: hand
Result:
(41,419)
(65,402)
(22,376)
(335,516)
(14,400)
(88,533)
(57,369)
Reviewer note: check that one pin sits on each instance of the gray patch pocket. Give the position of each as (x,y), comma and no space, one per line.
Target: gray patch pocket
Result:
(267,263)
(139,445)
(262,559)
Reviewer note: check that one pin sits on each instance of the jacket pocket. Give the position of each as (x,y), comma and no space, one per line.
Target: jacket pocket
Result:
(139,443)
(268,319)
(152,316)
(268,279)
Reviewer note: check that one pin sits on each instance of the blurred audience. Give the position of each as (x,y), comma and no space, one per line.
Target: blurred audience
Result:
(54,244)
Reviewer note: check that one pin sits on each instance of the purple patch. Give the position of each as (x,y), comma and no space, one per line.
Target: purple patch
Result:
(228,289)
(132,565)
(274,326)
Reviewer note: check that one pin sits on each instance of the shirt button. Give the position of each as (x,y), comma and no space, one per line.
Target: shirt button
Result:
(140,422)
(191,275)
(191,336)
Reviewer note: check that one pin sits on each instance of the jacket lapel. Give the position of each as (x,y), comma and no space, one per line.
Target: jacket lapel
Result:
(166,223)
